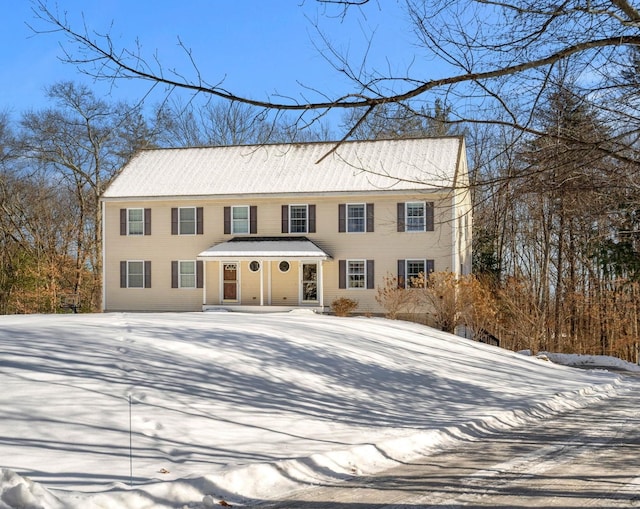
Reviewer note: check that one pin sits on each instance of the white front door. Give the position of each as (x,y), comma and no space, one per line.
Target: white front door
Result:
(309,282)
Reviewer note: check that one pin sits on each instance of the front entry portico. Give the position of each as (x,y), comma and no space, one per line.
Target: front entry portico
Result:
(264,272)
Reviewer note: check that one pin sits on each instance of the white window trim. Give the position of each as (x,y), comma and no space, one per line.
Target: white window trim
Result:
(407,277)
(288,265)
(364,217)
(306,218)
(129,222)
(195,274)
(348,273)
(195,220)
(233,223)
(129,262)
(424,216)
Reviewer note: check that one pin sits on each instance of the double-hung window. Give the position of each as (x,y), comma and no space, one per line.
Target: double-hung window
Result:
(356,217)
(135,274)
(356,273)
(187,274)
(414,273)
(298,215)
(135,221)
(415,216)
(298,219)
(240,220)
(187,220)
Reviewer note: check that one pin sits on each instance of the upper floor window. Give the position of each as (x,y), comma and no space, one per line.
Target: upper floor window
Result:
(416,216)
(355,217)
(239,220)
(135,221)
(187,221)
(298,219)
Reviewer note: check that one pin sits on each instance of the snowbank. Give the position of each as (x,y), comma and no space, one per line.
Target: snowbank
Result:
(187,410)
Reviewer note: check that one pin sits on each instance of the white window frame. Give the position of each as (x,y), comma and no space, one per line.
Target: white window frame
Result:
(246,221)
(141,274)
(351,274)
(139,222)
(362,218)
(306,218)
(408,276)
(408,227)
(182,274)
(195,221)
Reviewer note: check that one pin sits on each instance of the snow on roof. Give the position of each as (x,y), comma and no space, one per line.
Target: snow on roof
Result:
(291,168)
(264,247)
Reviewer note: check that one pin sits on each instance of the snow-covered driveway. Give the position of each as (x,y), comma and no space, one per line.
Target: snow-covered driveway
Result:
(589,457)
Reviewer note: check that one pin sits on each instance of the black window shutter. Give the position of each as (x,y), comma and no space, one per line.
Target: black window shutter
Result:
(123,221)
(342,218)
(123,274)
(227,220)
(253,219)
(147,274)
(401,217)
(370,275)
(174,274)
(199,220)
(428,216)
(342,273)
(401,274)
(199,274)
(370,217)
(285,219)
(147,221)
(174,221)
(312,219)
(430,267)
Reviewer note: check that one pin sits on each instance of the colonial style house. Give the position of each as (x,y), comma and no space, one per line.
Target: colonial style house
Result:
(283,226)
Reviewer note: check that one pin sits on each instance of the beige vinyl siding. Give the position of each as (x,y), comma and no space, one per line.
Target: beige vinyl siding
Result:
(385,245)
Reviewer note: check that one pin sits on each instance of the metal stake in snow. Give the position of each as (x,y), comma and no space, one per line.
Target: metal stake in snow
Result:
(130,447)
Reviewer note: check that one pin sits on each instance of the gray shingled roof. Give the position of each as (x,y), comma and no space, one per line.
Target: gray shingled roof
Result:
(290,168)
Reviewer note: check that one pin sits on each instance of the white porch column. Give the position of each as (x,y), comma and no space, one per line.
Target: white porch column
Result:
(261,262)
(204,282)
(320,283)
(269,283)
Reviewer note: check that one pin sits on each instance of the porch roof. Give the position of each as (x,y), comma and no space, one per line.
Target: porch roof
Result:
(275,248)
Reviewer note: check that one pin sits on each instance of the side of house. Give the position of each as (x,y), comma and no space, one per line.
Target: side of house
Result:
(271,245)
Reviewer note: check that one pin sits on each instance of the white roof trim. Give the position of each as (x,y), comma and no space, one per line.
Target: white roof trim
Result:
(269,248)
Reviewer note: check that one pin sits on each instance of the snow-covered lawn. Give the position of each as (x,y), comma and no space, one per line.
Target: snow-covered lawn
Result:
(187,409)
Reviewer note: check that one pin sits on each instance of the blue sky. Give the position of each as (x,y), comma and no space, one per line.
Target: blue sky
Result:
(257,47)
